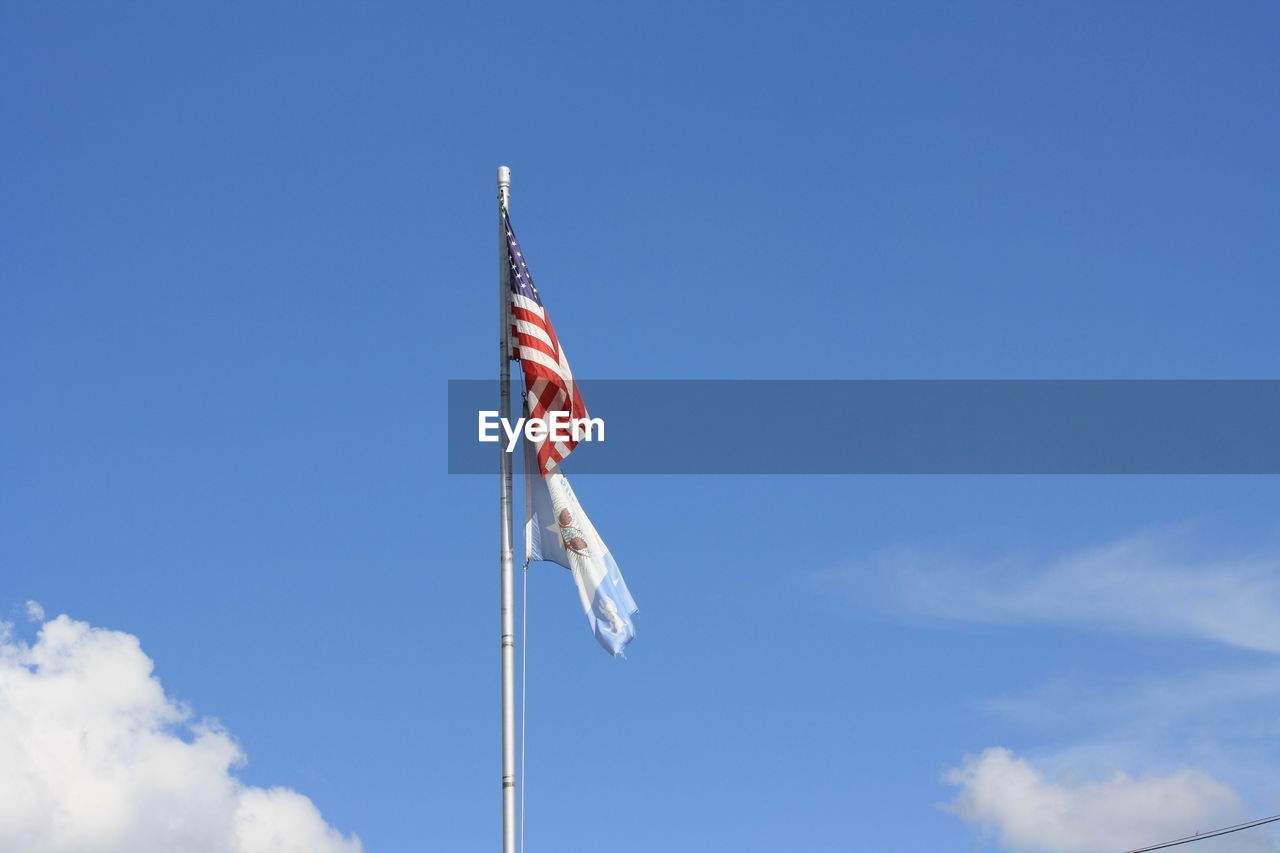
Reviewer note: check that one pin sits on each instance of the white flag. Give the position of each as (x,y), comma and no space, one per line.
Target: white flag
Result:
(558,531)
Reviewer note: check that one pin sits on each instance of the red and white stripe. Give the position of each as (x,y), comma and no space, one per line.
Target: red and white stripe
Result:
(548,380)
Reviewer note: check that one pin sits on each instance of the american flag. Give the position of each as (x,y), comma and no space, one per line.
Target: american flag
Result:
(548,381)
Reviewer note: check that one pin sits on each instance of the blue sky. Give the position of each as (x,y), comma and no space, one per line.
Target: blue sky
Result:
(247,245)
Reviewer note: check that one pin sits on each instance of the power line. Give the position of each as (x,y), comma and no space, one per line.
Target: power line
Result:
(1201,836)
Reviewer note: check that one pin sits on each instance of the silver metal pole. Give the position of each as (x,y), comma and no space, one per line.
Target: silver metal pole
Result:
(507,582)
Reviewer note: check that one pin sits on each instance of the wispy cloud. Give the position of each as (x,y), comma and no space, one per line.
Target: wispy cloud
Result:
(1028,812)
(1187,731)
(1223,720)
(1144,584)
(95,757)
(1162,703)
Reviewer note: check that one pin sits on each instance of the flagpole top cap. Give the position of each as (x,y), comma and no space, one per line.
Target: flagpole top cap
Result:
(504,177)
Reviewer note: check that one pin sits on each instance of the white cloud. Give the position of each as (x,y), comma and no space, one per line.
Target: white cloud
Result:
(95,758)
(1140,584)
(1027,812)
(34,611)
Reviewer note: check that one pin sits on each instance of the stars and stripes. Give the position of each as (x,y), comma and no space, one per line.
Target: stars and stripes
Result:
(548,381)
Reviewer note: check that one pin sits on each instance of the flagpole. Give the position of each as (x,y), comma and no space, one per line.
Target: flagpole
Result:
(507,583)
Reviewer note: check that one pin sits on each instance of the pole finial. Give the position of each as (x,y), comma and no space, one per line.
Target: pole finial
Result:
(504,184)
